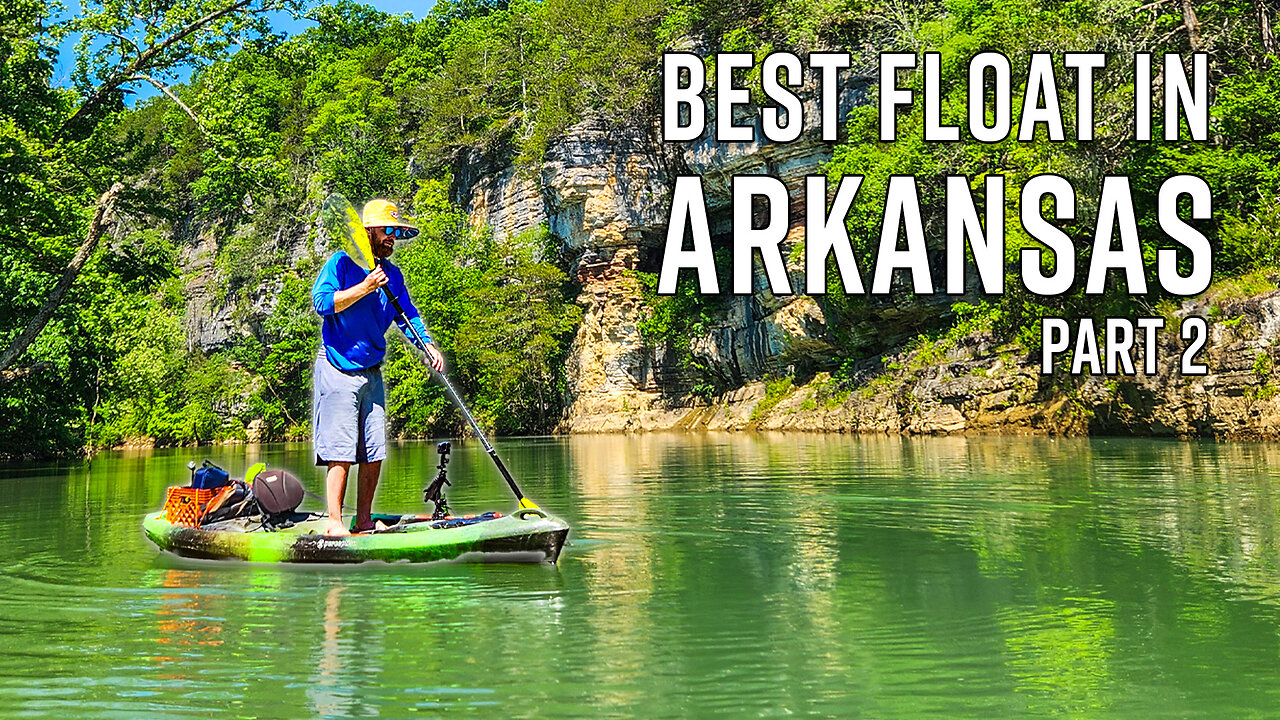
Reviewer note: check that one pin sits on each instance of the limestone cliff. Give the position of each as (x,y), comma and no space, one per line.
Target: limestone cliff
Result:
(604,191)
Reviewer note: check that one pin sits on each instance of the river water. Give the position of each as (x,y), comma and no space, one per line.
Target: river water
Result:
(707,575)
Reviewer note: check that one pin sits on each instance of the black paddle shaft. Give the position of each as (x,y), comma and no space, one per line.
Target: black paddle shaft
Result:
(457,400)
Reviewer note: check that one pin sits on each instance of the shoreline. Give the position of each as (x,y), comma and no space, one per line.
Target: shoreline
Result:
(709,429)
(973,386)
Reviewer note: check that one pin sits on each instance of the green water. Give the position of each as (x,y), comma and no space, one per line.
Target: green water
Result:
(717,575)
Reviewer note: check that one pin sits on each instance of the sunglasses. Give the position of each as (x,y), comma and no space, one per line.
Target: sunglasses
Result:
(400,233)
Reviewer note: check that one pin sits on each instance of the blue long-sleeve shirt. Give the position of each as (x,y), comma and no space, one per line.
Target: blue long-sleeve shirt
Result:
(355,339)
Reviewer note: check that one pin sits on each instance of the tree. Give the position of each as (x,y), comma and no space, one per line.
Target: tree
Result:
(121,42)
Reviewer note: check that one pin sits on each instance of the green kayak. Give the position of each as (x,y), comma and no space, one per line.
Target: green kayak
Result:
(527,535)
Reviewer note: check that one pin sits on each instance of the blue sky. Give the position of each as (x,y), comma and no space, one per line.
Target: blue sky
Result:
(281,21)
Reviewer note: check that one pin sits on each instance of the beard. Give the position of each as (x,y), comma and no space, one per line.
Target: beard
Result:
(382,249)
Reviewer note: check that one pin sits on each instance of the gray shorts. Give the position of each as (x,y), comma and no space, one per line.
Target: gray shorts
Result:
(348,414)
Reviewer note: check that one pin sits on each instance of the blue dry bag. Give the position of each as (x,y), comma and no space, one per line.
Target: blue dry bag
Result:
(209,477)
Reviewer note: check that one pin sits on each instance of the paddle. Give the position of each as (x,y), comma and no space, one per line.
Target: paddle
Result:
(343,222)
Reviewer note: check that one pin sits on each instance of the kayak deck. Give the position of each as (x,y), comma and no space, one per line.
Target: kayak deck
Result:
(524,536)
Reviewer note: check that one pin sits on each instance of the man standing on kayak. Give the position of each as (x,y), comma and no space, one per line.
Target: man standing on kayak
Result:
(349,401)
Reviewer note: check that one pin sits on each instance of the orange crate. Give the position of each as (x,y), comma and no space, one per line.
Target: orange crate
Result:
(185,506)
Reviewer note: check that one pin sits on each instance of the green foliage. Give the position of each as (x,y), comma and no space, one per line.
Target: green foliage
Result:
(673,321)
(114,33)
(503,317)
(282,361)
(836,398)
(1263,365)
(775,390)
(366,104)
(157,390)
(513,352)
(239,138)
(354,130)
(754,24)
(523,72)
(1242,286)
(112,361)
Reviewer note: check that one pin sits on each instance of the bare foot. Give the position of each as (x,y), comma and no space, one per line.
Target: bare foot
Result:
(336,529)
(377,526)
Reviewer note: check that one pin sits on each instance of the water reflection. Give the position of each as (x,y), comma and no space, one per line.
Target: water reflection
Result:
(1060,655)
(842,533)
(329,689)
(708,575)
(183,619)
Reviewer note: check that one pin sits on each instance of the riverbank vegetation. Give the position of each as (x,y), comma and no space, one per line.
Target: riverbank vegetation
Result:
(190,320)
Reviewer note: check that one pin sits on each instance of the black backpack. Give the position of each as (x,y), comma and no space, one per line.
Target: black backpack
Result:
(237,502)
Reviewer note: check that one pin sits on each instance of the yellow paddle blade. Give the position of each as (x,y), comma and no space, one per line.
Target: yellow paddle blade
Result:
(527,504)
(253,471)
(343,223)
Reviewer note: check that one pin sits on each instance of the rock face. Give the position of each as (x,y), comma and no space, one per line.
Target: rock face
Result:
(216,315)
(1237,397)
(602,192)
(612,370)
(605,192)
(209,321)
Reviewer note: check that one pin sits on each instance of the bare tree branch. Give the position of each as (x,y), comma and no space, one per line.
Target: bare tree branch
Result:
(165,89)
(1150,5)
(126,39)
(105,207)
(1192,23)
(1264,27)
(7,376)
(143,62)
